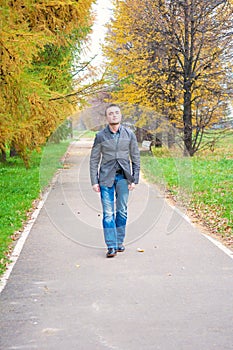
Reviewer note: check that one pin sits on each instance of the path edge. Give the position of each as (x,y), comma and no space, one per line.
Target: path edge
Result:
(21,241)
(25,233)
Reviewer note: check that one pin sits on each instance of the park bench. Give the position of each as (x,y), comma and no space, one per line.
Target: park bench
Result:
(146,145)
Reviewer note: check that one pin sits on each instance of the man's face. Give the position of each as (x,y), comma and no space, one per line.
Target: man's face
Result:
(113,115)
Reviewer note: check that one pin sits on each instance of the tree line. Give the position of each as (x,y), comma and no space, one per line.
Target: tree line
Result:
(174,57)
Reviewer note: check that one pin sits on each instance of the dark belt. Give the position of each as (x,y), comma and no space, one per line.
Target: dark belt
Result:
(120,171)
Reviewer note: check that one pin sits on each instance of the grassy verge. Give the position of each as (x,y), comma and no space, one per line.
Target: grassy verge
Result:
(19,188)
(84,134)
(204,183)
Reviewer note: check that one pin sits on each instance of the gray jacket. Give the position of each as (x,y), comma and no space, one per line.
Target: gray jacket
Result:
(110,154)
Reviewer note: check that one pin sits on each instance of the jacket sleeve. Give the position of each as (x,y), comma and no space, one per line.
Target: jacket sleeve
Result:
(95,160)
(135,158)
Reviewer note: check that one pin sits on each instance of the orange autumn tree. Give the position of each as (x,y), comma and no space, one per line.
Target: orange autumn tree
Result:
(174,57)
(39,40)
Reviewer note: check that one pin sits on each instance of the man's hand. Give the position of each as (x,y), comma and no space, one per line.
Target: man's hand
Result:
(131,186)
(96,188)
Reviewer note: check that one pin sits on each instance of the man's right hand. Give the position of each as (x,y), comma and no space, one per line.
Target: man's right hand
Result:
(96,188)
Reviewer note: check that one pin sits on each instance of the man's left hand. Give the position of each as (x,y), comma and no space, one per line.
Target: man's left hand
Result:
(131,186)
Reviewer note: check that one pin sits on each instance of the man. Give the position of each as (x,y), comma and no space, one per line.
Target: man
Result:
(115,149)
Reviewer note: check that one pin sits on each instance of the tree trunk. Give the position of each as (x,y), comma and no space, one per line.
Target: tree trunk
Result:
(158,139)
(138,133)
(187,119)
(3,156)
(171,138)
(188,57)
(13,152)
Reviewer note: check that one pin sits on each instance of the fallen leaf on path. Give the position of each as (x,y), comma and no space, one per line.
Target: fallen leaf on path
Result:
(50,331)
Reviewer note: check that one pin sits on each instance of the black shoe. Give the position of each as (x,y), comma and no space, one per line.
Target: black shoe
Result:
(121,248)
(111,252)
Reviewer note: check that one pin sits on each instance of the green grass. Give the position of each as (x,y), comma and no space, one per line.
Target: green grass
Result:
(203,183)
(84,134)
(19,187)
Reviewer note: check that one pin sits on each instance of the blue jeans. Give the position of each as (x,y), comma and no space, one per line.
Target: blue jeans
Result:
(114,223)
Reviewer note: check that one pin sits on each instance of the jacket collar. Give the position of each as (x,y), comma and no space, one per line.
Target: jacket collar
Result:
(107,129)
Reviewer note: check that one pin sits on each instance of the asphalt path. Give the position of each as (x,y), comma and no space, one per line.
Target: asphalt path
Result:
(171,289)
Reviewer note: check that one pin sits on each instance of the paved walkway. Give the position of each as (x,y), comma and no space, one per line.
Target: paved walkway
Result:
(63,293)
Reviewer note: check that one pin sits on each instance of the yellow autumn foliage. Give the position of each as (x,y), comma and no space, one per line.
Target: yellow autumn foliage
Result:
(37,41)
(174,57)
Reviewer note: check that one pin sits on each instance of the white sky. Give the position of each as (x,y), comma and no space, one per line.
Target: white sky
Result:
(103,11)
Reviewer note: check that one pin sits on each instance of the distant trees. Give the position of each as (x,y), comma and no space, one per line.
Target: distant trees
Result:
(174,56)
(38,43)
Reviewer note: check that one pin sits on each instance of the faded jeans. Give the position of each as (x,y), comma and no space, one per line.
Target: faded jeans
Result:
(114,223)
